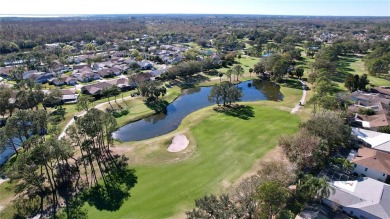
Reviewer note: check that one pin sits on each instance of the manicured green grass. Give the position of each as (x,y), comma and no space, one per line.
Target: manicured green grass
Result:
(137,107)
(354,65)
(172,181)
(357,66)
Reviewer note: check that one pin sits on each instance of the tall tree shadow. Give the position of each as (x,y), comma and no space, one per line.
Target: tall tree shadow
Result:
(235,110)
(159,106)
(111,194)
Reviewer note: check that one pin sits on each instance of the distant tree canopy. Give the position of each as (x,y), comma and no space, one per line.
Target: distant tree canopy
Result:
(378,60)
(185,69)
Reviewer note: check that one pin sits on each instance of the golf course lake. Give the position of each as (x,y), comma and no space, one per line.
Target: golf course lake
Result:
(190,100)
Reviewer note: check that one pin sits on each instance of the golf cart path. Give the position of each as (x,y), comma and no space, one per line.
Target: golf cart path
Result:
(302,101)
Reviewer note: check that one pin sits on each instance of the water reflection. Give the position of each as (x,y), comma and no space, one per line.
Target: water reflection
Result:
(189,101)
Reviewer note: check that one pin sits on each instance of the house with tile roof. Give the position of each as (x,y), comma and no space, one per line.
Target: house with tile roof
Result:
(374,121)
(364,198)
(382,90)
(372,163)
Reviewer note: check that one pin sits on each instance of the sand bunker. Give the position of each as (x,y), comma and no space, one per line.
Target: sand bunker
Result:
(179,143)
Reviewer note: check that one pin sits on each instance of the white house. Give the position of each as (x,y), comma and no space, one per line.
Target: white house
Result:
(372,163)
(376,140)
(364,198)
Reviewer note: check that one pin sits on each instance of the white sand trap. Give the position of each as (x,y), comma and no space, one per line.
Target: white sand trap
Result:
(179,143)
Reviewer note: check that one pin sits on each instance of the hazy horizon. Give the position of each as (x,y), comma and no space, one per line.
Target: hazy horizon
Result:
(167,14)
(374,8)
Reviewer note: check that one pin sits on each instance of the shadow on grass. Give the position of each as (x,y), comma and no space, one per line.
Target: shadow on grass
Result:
(235,110)
(292,83)
(159,106)
(111,194)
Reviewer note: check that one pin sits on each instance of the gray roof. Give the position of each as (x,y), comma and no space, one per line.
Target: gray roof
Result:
(366,194)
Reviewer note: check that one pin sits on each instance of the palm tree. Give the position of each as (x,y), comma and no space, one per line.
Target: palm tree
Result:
(250,72)
(115,91)
(107,93)
(229,74)
(220,77)
(314,187)
(238,70)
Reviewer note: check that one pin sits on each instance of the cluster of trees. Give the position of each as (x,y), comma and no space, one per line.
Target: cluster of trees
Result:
(20,127)
(265,195)
(56,177)
(27,95)
(311,147)
(225,93)
(112,91)
(183,69)
(323,69)
(325,63)
(378,60)
(356,82)
(277,65)
(236,70)
(282,189)
(152,90)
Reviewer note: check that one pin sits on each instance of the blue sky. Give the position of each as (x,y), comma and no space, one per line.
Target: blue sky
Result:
(267,7)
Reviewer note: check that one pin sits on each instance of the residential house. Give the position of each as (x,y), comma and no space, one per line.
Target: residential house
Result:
(71,80)
(69,95)
(58,81)
(96,89)
(145,65)
(374,121)
(81,66)
(122,83)
(371,163)
(6,71)
(116,71)
(377,107)
(85,69)
(371,139)
(158,73)
(40,77)
(105,73)
(121,68)
(87,77)
(171,59)
(385,90)
(143,77)
(27,74)
(364,198)
(129,61)
(369,99)
(114,59)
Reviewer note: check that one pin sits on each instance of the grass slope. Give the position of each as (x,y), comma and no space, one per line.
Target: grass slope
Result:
(164,189)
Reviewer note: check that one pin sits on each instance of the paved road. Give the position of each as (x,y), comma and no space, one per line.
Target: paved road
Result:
(302,101)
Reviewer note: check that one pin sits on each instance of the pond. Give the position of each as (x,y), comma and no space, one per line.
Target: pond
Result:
(189,101)
(8,151)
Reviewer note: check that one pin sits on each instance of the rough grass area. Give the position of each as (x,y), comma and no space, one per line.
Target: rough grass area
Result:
(172,181)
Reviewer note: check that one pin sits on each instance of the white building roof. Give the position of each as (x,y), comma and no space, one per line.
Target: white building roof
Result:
(377,140)
(366,194)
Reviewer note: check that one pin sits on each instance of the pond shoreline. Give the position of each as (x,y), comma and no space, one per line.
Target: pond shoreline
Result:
(195,98)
